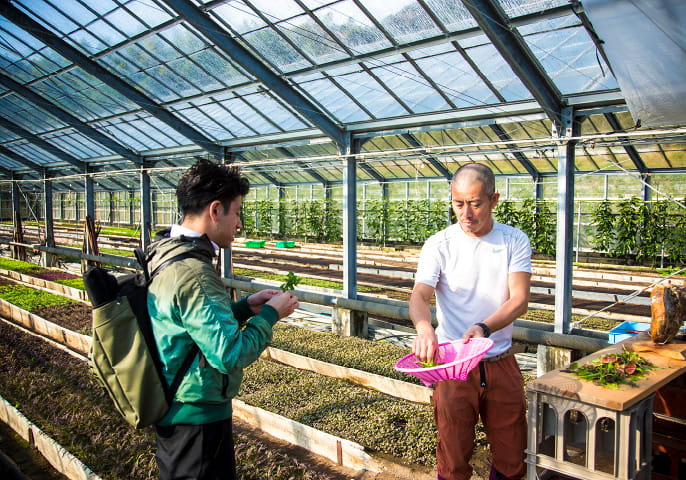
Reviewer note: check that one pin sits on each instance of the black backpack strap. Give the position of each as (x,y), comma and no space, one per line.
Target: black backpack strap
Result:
(181,373)
(178,378)
(143,262)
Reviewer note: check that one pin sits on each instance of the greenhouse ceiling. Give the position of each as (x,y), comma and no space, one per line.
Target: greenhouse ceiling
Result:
(290,89)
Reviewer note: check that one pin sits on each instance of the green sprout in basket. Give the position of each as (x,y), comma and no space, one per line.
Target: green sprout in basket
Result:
(291,282)
(429,363)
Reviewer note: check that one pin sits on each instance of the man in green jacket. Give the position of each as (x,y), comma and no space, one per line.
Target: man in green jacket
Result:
(190,305)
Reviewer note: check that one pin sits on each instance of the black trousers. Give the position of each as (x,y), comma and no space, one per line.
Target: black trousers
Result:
(196,452)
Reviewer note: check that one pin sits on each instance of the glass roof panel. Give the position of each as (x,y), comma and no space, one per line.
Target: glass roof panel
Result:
(46,14)
(77,145)
(498,72)
(313,40)
(141,132)
(370,94)
(20,112)
(456,78)
(240,17)
(35,154)
(404,20)
(216,66)
(276,11)
(7,135)
(352,27)
(275,49)
(516,8)
(83,96)
(676,155)
(452,14)
(334,100)
(9,163)
(653,156)
(569,56)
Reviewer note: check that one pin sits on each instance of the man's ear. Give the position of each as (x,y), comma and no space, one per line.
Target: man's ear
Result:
(494,199)
(215,209)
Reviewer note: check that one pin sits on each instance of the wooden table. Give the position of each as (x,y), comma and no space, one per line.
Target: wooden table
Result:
(613,440)
(568,385)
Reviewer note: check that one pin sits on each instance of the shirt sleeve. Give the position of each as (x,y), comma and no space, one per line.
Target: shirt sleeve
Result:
(520,257)
(429,265)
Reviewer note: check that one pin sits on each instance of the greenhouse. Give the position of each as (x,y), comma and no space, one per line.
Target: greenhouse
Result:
(349,119)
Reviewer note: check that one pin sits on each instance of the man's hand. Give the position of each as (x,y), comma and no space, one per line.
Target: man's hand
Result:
(425,344)
(256,300)
(284,303)
(473,331)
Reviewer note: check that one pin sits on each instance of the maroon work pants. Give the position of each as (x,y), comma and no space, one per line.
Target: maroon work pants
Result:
(502,407)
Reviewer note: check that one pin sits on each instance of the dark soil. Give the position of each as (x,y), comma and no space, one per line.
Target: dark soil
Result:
(23,459)
(73,316)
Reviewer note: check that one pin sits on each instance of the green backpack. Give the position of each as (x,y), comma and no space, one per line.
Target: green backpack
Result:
(123,354)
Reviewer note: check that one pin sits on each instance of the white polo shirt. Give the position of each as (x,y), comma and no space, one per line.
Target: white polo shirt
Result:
(470,277)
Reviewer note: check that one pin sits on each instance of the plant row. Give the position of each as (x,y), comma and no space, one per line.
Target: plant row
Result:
(34,374)
(403,429)
(629,229)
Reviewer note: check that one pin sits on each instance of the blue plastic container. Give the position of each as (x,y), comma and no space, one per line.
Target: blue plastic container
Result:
(626,330)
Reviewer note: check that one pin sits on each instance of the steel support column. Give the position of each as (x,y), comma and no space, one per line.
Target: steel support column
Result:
(350,220)
(48,260)
(225,254)
(89,189)
(146,208)
(565,221)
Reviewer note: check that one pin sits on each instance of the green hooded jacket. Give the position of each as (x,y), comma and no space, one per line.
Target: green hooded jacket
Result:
(188,304)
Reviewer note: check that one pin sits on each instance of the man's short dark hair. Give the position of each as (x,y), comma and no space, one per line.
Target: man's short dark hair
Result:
(478,172)
(205,182)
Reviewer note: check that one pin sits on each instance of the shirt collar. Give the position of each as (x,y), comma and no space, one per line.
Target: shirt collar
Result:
(178,230)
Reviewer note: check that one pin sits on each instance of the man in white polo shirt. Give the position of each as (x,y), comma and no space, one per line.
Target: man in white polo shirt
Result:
(480,273)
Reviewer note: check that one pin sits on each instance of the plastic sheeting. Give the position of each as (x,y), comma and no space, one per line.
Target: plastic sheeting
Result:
(645,42)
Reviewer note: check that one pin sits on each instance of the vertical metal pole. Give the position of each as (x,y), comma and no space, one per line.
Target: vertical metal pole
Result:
(90,196)
(48,258)
(225,255)
(350,219)
(578,231)
(146,207)
(565,222)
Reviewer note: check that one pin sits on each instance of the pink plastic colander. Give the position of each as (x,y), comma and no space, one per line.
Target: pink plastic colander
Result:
(457,359)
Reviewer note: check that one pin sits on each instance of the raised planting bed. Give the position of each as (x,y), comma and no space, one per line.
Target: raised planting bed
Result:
(379,422)
(359,353)
(58,394)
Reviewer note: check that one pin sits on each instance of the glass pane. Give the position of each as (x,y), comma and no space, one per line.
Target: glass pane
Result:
(456,78)
(499,73)
(405,20)
(352,27)
(239,16)
(275,11)
(367,91)
(571,60)
(47,15)
(125,22)
(452,14)
(276,50)
(22,113)
(413,89)
(334,100)
(515,8)
(216,65)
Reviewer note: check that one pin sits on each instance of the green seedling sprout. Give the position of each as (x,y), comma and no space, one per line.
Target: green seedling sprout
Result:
(291,282)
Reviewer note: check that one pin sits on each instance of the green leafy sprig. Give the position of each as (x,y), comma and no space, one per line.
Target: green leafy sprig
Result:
(429,363)
(291,281)
(613,370)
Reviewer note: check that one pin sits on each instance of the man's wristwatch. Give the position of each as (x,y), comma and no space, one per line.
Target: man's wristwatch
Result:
(484,327)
